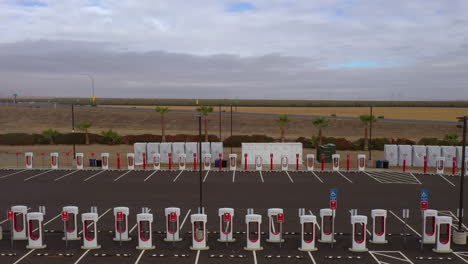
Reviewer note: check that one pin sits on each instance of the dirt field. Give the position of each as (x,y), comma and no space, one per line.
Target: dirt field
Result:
(127,122)
(406,113)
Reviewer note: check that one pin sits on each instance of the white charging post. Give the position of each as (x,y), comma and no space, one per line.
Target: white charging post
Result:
(36,235)
(131,161)
(443,234)
(358,223)
(379,226)
(258,163)
(145,231)
(156,161)
(90,233)
(284,163)
(275,223)
(310,161)
(336,162)
(19,222)
(182,161)
(440,165)
(308,223)
(29,158)
(105,161)
(253,222)
(121,224)
(226,216)
(232,162)
(54,160)
(79,161)
(172,224)
(199,232)
(207,161)
(361,162)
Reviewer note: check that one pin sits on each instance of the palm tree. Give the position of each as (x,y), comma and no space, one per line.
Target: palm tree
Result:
(163,110)
(50,135)
(204,111)
(319,123)
(366,119)
(84,126)
(283,121)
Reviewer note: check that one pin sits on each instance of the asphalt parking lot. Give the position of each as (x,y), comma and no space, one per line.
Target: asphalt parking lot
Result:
(240,190)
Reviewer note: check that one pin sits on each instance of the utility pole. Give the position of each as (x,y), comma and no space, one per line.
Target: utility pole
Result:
(200,161)
(220,138)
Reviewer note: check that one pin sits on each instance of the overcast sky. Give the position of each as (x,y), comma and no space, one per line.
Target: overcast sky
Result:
(265,49)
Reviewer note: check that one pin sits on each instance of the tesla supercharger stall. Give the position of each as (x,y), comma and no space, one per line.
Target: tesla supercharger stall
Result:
(275,225)
(105,161)
(54,160)
(310,162)
(35,231)
(232,162)
(79,161)
(226,220)
(71,225)
(443,234)
(172,224)
(156,161)
(19,222)
(258,162)
(145,231)
(379,226)
(253,222)
(131,161)
(121,224)
(90,233)
(359,223)
(182,161)
(361,162)
(429,226)
(327,225)
(199,233)
(207,161)
(28,160)
(440,165)
(308,223)
(284,163)
(336,162)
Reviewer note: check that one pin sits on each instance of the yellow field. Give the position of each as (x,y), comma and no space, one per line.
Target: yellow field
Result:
(413,113)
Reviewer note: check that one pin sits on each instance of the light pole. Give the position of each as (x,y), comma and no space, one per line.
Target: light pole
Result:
(370,134)
(73,129)
(462,175)
(231,128)
(200,162)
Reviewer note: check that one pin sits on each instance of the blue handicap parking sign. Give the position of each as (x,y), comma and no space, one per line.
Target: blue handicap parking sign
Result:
(424,195)
(333,195)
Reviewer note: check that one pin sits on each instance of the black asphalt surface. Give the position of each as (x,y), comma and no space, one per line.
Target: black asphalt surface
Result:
(260,191)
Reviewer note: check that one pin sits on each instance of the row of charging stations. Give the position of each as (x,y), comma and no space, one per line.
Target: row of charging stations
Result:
(206,163)
(29,226)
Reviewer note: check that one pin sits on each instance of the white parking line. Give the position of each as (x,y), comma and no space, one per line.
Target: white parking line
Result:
(206,176)
(139,256)
(386,254)
(311,257)
(149,176)
(461,255)
(255,256)
(99,217)
(36,175)
(287,173)
(25,255)
(175,179)
(451,183)
(135,226)
(316,176)
(344,176)
(11,174)
(198,256)
(233,176)
(94,175)
(404,222)
(61,177)
(377,180)
(82,256)
(261,176)
(48,222)
(116,179)
(185,218)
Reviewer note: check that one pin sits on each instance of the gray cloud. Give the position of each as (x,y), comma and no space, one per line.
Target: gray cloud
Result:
(283,49)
